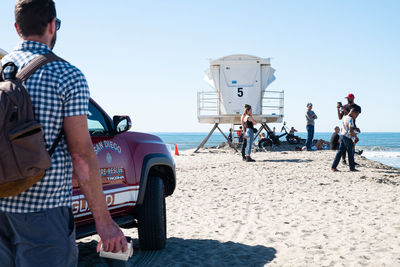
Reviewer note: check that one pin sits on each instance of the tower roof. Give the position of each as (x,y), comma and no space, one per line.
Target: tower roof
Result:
(238,58)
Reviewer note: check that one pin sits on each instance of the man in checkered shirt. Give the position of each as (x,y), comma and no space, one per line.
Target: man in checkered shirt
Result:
(37,226)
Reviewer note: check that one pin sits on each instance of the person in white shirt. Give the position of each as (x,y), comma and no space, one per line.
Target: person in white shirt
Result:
(346,139)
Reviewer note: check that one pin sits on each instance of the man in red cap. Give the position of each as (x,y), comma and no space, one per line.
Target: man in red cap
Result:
(345,110)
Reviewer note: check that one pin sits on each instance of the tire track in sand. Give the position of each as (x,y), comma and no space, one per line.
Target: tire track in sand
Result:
(248,220)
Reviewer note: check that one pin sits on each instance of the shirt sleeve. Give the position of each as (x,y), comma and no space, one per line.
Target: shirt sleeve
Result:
(76,93)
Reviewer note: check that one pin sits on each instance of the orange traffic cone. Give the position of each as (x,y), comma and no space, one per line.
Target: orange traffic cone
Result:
(176,150)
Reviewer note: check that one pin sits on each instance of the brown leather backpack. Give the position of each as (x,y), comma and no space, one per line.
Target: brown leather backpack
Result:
(23,155)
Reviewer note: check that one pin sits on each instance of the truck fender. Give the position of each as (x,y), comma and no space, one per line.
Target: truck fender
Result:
(148,162)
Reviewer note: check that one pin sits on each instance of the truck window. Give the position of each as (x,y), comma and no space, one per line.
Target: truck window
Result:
(96,123)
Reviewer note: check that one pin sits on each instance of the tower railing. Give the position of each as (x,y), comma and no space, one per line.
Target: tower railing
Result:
(208,103)
(273,103)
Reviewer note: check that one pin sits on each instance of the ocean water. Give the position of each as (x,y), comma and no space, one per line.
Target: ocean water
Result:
(381,147)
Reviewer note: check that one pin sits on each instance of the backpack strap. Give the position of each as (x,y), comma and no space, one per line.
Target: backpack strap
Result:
(36,64)
(55,144)
(30,69)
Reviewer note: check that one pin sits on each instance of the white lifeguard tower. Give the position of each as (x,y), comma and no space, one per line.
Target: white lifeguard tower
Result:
(239,80)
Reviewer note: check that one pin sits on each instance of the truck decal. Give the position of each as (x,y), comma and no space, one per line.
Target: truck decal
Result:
(111,171)
(112,175)
(100,146)
(115,198)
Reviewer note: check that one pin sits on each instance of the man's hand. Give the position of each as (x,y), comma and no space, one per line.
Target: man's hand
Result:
(111,237)
(356,140)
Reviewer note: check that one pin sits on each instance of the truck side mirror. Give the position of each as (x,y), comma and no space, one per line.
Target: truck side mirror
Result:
(121,123)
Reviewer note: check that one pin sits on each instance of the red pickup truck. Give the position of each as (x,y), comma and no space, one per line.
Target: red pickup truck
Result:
(137,172)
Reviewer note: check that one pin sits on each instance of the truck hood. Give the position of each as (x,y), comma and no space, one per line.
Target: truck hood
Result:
(139,137)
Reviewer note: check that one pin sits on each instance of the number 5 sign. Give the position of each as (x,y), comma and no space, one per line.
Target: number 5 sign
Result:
(240,92)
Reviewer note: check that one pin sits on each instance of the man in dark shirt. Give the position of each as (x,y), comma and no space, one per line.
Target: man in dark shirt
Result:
(334,143)
(344,110)
(230,136)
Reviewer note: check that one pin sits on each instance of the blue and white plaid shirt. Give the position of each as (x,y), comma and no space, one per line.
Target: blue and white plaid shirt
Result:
(57,90)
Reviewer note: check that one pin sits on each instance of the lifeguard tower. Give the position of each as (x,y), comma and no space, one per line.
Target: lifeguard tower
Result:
(239,80)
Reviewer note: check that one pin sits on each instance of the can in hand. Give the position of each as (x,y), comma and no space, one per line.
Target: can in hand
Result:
(123,256)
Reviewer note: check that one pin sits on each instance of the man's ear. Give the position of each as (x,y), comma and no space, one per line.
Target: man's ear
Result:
(16,28)
(51,27)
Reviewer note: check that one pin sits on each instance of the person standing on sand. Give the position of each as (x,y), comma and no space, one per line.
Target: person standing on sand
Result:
(249,122)
(230,136)
(344,110)
(243,136)
(346,142)
(310,117)
(37,226)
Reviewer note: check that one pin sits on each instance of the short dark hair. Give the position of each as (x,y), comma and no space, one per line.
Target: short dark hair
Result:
(32,16)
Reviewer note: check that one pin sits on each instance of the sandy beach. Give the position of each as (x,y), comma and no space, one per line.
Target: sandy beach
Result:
(286,209)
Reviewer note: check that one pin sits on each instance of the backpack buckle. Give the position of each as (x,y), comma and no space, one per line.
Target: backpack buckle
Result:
(11,74)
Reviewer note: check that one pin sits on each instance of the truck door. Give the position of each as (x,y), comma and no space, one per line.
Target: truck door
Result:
(115,163)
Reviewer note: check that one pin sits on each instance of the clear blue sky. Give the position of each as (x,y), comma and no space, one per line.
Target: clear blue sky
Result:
(147,59)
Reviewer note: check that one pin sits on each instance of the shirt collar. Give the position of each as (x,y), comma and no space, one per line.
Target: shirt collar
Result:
(32,46)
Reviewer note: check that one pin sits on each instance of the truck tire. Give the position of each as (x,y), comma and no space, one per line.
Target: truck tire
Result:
(152,223)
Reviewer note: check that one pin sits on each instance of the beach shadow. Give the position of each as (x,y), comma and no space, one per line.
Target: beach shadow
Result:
(185,252)
(286,160)
(393,172)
